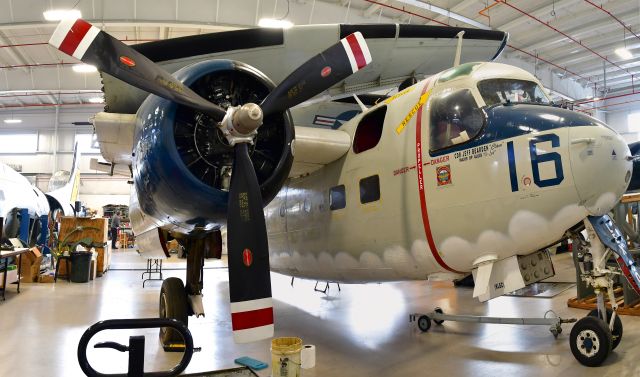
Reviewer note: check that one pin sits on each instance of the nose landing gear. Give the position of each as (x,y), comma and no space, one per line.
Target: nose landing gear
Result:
(596,335)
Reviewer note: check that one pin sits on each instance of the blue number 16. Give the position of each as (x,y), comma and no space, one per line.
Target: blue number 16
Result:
(536,160)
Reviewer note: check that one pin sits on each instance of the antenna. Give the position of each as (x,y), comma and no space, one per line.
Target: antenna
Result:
(456,61)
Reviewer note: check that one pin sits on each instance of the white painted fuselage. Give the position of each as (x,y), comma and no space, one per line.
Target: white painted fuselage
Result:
(446,210)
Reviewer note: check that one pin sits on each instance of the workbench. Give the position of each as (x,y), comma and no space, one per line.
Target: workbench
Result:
(4,262)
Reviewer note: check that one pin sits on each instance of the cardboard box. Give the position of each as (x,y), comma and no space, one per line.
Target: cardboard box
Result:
(30,266)
(12,277)
(45,278)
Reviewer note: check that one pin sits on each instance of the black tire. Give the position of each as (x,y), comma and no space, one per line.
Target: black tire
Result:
(439,311)
(616,333)
(590,341)
(173,304)
(424,323)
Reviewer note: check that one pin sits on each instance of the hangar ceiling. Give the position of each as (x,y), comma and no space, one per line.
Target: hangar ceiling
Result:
(573,39)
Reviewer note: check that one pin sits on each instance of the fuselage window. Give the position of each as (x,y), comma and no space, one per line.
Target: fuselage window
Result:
(496,91)
(455,118)
(369,189)
(369,130)
(337,198)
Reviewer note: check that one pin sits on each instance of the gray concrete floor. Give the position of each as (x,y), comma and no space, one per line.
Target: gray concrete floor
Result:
(361,331)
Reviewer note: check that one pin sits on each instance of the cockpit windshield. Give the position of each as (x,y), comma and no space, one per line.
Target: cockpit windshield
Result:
(496,91)
(455,118)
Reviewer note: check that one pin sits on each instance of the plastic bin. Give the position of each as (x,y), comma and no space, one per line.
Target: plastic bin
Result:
(285,357)
(80,267)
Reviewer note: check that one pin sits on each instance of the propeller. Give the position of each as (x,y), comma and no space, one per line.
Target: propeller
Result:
(249,280)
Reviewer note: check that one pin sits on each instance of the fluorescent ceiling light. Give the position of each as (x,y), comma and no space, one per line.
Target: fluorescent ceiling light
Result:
(96,100)
(272,23)
(623,53)
(61,14)
(84,68)
(13,121)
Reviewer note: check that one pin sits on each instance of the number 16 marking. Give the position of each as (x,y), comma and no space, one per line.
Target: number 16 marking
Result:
(536,160)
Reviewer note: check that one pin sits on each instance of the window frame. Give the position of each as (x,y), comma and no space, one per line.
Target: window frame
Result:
(18,146)
(82,147)
(474,94)
(344,196)
(379,191)
(375,113)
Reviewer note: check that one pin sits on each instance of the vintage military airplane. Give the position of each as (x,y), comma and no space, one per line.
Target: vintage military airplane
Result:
(471,169)
(16,193)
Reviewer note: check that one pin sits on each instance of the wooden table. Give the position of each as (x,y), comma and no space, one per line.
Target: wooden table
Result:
(4,257)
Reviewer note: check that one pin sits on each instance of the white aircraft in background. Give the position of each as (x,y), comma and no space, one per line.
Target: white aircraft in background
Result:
(469,170)
(16,192)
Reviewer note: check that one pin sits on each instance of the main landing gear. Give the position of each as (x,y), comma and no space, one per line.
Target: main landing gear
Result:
(179,301)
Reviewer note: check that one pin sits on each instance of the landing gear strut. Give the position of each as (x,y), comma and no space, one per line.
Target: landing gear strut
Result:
(596,335)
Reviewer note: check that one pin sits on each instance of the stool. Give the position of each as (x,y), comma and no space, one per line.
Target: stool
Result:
(66,260)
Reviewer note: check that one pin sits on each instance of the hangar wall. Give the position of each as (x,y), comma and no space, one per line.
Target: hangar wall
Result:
(96,188)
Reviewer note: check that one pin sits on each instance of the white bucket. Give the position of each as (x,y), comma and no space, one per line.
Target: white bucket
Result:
(285,357)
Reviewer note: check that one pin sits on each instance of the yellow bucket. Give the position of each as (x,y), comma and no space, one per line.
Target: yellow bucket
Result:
(285,357)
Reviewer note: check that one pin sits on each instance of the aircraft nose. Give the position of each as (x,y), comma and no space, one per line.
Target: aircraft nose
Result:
(601,166)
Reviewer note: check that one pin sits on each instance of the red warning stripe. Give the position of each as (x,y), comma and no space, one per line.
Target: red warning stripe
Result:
(423,202)
(74,36)
(356,50)
(251,319)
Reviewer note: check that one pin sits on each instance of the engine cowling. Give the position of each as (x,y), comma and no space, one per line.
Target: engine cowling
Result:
(182,162)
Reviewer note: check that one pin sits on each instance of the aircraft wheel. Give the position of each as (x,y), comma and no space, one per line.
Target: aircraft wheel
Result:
(616,333)
(590,341)
(173,304)
(439,311)
(424,323)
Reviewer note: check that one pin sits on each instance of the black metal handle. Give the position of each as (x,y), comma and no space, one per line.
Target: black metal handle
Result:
(141,323)
(114,345)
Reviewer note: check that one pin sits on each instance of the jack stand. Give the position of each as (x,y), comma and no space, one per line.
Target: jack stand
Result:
(438,316)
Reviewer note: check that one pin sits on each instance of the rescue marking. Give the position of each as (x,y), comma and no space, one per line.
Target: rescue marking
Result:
(421,193)
(398,95)
(418,106)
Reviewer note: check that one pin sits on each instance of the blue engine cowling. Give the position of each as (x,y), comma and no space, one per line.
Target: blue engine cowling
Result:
(182,162)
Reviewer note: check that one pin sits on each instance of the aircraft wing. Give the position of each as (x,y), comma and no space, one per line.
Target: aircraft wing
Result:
(314,146)
(398,52)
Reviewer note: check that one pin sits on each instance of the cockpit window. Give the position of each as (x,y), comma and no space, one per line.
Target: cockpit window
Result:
(455,118)
(455,72)
(496,91)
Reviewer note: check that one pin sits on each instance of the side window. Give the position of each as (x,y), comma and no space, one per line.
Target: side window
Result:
(369,189)
(337,198)
(455,118)
(369,130)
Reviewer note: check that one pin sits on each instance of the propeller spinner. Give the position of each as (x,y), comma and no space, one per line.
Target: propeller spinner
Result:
(249,279)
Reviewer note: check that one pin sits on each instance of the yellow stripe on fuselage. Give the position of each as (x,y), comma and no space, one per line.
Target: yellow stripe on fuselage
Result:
(412,112)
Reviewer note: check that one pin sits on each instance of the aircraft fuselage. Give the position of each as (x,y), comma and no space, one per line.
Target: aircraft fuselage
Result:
(530,174)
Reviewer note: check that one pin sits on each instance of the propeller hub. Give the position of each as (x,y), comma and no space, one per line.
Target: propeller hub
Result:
(247,118)
(241,123)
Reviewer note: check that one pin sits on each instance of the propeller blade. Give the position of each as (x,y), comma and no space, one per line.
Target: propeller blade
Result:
(87,43)
(249,279)
(319,73)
